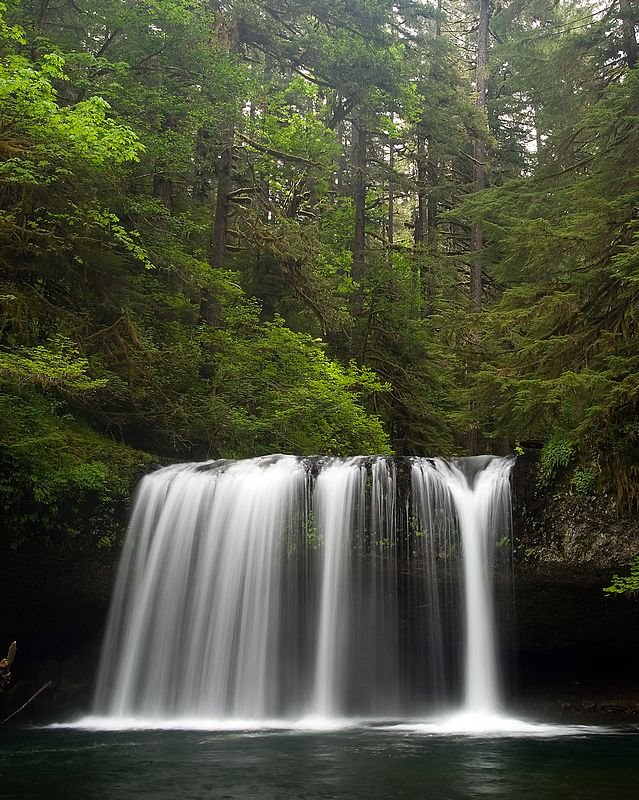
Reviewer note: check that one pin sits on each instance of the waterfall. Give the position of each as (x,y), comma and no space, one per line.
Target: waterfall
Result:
(482,502)
(289,588)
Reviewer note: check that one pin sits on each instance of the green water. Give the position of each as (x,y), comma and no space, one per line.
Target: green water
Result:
(346,765)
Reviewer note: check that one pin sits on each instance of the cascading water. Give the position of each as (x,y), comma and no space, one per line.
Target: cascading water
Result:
(482,502)
(286,588)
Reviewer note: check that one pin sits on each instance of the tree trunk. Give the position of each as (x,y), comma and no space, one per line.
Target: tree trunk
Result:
(209,307)
(629,17)
(391,194)
(222,202)
(40,14)
(358,269)
(433,181)
(479,164)
(358,163)
(163,189)
(226,38)
(427,172)
(422,192)
(340,188)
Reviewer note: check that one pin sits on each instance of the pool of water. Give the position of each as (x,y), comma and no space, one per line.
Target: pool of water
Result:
(371,763)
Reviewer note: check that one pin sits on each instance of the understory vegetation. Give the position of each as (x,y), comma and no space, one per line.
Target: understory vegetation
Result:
(235,228)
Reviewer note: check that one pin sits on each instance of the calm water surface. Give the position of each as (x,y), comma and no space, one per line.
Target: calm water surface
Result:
(344,765)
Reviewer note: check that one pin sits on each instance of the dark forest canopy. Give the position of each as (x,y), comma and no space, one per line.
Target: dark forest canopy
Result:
(233,228)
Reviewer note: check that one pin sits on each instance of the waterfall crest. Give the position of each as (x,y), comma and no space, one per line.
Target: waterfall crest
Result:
(284,588)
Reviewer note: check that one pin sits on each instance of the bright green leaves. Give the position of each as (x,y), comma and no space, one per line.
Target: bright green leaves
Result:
(115,233)
(286,122)
(96,137)
(284,394)
(37,130)
(57,365)
(10,35)
(626,584)
(88,219)
(52,155)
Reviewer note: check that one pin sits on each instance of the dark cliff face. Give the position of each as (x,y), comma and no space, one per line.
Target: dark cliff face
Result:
(54,604)
(558,527)
(576,647)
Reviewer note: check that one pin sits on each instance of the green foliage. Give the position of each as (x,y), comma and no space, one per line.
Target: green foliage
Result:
(39,131)
(560,361)
(626,584)
(409,351)
(153,296)
(60,479)
(57,365)
(556,455)
(583,481)
(283,394)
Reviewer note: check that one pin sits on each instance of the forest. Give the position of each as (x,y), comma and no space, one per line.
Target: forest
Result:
(341,227)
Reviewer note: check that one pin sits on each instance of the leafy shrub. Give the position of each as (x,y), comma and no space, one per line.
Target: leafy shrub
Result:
(556,454)
(583,481)
(626,584)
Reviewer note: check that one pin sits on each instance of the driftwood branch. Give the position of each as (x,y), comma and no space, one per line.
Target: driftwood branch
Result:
(30,700)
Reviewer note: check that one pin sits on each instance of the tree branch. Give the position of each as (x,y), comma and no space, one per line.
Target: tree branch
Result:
(278,153)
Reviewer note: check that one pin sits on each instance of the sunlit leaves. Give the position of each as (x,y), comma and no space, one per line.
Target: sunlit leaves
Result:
(56,365)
